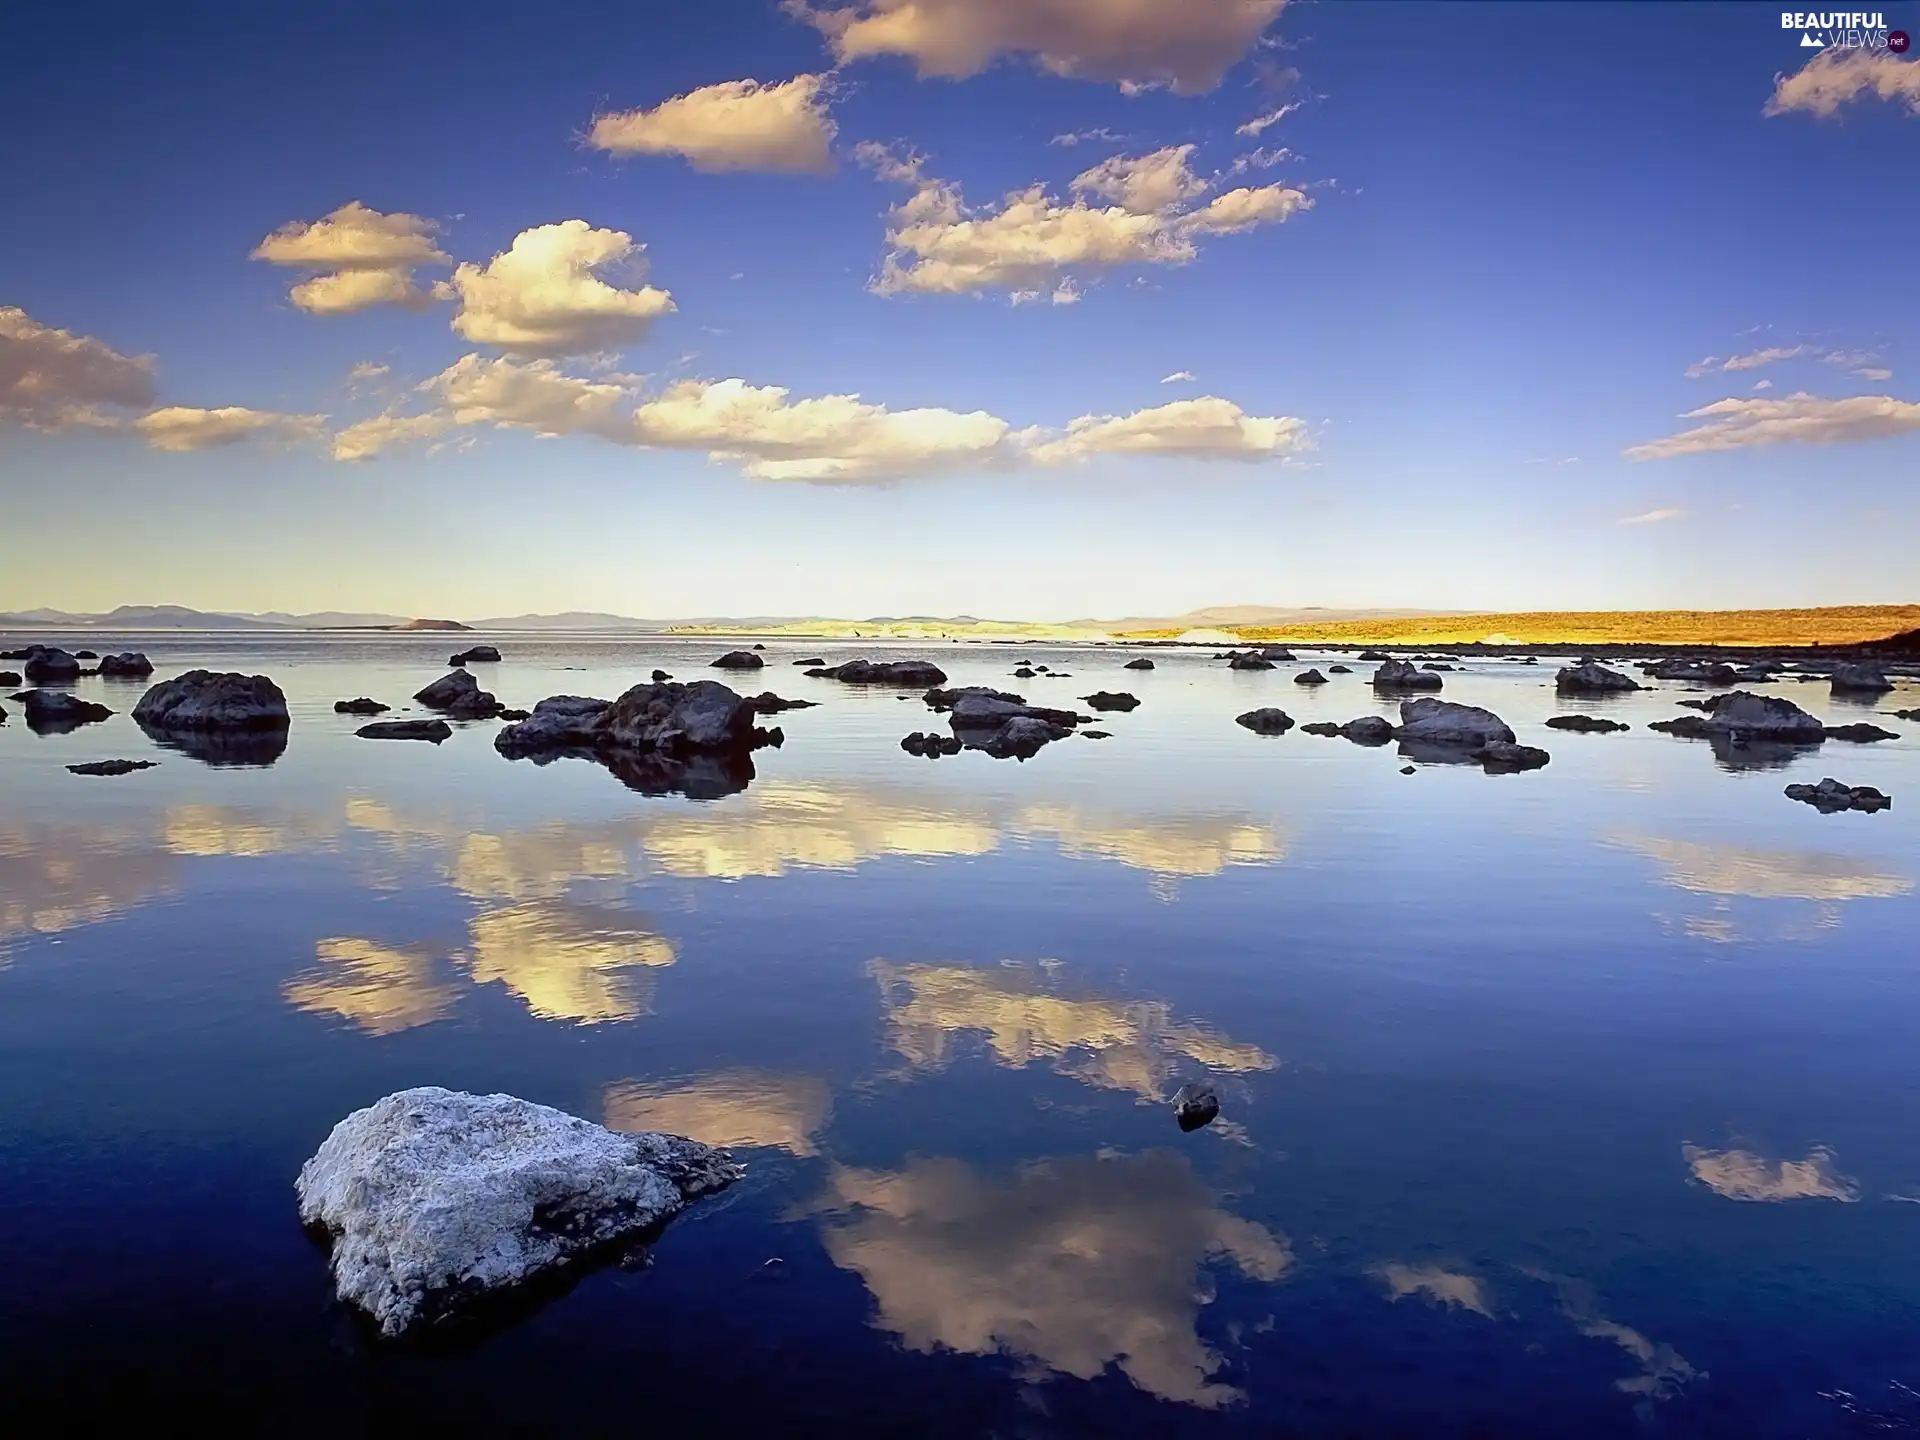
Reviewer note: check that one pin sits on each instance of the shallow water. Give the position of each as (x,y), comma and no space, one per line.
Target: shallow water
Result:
(1576,1102)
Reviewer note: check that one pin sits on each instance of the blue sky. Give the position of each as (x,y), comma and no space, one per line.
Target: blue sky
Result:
(1439,315)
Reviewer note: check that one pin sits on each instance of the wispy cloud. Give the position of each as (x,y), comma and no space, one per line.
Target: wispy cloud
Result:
(1082,137)
(1260,123)
(1652,517)
(1752,360)
(1798,419)
(1835,77)
(1177,377)
(1550,460)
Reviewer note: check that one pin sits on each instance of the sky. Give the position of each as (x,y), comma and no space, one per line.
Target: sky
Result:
(1031,309)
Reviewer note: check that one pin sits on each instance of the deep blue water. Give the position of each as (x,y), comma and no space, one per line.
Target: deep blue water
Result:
(1579,1102)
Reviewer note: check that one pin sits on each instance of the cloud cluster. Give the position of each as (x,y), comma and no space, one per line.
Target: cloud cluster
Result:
(937,244)
(828,439)
(1797,419)
(183,428)
(1743,1175)
(1752,360)
(1835,77)
(738,125)
(541,296)
(363,258)
(54,379)
(1185,44)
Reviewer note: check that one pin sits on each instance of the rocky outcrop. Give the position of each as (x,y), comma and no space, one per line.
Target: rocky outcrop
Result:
(477,654)
(437,1201)
(1744,715)
(458,695)
(361,706)
(676,718)
(112,767)
(46,665)
(1404,675)
(658,738)
(768,703)
(1860,733)
(1592,678)
(433,730)
(1585,723)
(1111,700)
(1265,721)
(1250,662)
(1860,680)
(931,745)
(884,672)
(209,701)
(1441,722)
(1830,796)
(1141,664)
(1503,757)
(556,723)
(1309,677)
(1000,723)
(1018,739)
(54,712)
(1275,652)
(129,665)
(738,660)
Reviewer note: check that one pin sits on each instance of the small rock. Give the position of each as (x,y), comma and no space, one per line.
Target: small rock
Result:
(129,665)
(1111,700)
(1309,677)
(477,653)
(47,665)
(1250,662)
(1096,734)
(738,660)
(1503,757)
(1897,714)
(112,767)
(1860,680)
(56,711)
(10,678)
(1860,733)
(1402,675)
(1441,722)
(434,730)
(1589,723)
(1830,797)
(1406,769)
(1339,670)
(1025,672)
(86,655)
(1591,678)
(1320,727)
(1141,664)
(515,715)
(1266,721)
(917,673)
(768,703)
(458,694)
(811,660)
(1744,715)
(361,706)
(1195,1105)
(1372,656)
(660,677)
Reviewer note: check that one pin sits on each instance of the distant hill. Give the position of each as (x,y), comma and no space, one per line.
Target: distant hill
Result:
(1830,625)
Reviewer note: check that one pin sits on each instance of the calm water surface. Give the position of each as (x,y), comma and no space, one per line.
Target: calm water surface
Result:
(1575,1102)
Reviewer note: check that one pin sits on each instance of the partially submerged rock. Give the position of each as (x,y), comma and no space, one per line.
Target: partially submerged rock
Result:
(1860,733)
(10,678)
(112,767)
(481,654)
(1699,672)
(813,660)
(1195,1105)
(1860,680)
(1366,730)
(1339,669)
(433,730)
(768,703)
(1250,662)
(54,712)
(459,695)
(556,722)
(1830,796)
(1744,715)
(1441,722)
(128,665)
(1141,664)
(437,1201)
(46,664)
(1586,723)
(1592,678)
(1267,720)
(1111,700)
(738,660)
(1503,757)
(1404,675)
(206,701)
(361,706)
(1000,723)
(656,738)
(930,744)
(884,672)
(1309,677)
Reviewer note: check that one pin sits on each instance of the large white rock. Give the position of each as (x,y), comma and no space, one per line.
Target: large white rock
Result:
(436,1199)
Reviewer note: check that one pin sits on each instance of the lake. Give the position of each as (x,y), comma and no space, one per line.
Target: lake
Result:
(1576,1102)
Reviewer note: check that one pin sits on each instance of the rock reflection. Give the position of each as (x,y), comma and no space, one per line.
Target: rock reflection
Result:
(246,748)
(569,961)
(698,777)
(379,989)
(1113,1045)
(1443,1287)
(739,1108)
(1743,1175)
(56,878)
(1073,1264)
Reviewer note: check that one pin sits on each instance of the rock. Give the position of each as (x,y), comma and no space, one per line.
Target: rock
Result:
(1025,672)
(1339,669)
(1860,680)
(1700,672)
(477,653)
(434,730)
(768,703)
(86,655)
(1096,734)
(204,700)
(1309,677)
(54,712)
(1250,662)
(129,665)
(884,672)
(705,715)
(1860,733)
(1830,796)
(1402,675)
(437,1201)
(50,666)
(1502,757)
(1195,1105)
(1275,652)
(459,695)
(1373,656)
(361,706)
(1265,721)
(738,660)
(514,715)
(112,767)
(1407,770)
(1434,665)
(931,745)
(10,678)
(1588,723)
(1041,668)
(1906,714)
(1746,715)
(1141,664)
(557,722)
(1706,704)
(660,677)
(1590,678)
(1111,700)
(1368,730)
(1020,738)
(1441,722)
(811,660)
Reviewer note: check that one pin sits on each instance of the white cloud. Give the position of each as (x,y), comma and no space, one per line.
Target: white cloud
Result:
(1752,360)
(542,297)
(365,439)
(1187,44)
(1763,385)
(1080,137)
(1443,1287)
(1260,123)
(738,125)
(1834,77)
(534,396)
(54,379)
(1206,428)
(182,428)
(938,245)
(1874,372)
(1652,517)
(1743,1175)
(367,370)
(366,258)
(1143,184)
(1798,419)
(1177,377)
